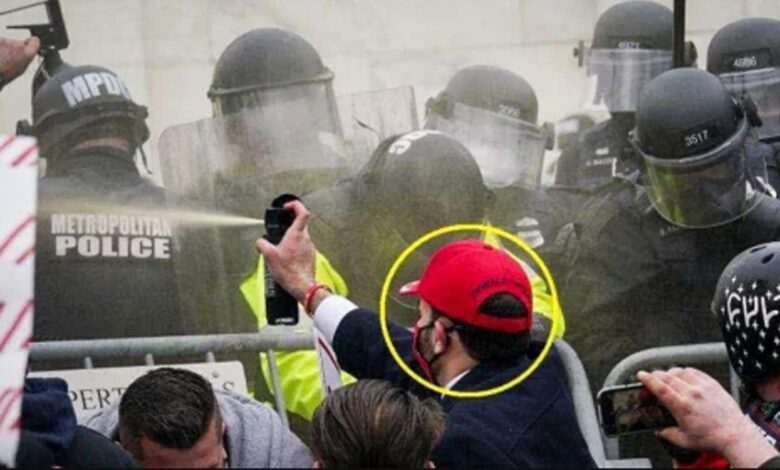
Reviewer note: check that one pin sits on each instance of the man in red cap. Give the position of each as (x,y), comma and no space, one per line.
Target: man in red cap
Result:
(473,333)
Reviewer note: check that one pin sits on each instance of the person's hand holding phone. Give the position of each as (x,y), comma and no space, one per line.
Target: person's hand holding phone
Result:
(708,417)
(630,409)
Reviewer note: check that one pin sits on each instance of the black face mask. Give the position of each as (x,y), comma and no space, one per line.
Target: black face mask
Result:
(425,363)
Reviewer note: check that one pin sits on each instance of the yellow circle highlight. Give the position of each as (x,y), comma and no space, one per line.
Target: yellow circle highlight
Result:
(557,315)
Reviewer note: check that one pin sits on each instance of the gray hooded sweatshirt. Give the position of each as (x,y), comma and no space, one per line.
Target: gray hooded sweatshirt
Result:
(255,435)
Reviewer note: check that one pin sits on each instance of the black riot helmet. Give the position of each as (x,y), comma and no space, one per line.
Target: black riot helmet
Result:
(691,134)
(424,180)
(632,44)
(569,129)
(747,305)
(636,24)
(267,67)
(493,112)
(745,55)
(83,103)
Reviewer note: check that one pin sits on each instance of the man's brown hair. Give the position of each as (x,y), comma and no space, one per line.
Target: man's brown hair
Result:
(374,424)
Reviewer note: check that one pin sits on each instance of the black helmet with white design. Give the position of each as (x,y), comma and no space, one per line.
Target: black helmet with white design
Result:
(747,305)
(425,180)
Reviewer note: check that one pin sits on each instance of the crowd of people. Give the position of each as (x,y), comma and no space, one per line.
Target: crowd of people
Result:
(662,228)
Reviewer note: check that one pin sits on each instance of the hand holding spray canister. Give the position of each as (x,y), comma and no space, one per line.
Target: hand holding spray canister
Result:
(281,308)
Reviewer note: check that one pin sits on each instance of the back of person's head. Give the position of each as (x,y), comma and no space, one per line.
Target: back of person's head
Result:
(486,295)
(751,278)
(490,345)
(83,104)
(424,180)
(170,417)
(374,424)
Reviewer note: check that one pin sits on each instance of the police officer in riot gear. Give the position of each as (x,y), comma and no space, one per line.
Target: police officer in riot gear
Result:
(267,66)
(647,257)
(275,129)
(745,55)
(696,168)
(746,306)
(105,253)
(632,44)
(272,71)
(569,129)
(413,183)
(493,112)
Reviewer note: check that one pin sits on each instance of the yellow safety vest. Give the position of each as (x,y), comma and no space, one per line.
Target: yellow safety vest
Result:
(543,301)
(299,371)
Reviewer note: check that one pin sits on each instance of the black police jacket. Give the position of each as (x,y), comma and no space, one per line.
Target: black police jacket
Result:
(532,425)
(104,267)
(536,216)
(636,281)
(603,151)
(772,158)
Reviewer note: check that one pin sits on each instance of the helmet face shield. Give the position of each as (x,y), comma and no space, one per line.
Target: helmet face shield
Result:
(272,149)
(317,96)
(704,190)
(237,164)
(617,76)
(508,151)
(763,87)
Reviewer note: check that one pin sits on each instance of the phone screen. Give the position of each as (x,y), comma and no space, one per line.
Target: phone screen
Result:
(632,409)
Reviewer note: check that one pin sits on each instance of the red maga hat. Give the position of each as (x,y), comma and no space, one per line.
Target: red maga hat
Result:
(461,275)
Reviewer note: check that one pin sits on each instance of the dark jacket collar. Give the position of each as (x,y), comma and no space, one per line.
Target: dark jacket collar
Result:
(103,163)
(490,374)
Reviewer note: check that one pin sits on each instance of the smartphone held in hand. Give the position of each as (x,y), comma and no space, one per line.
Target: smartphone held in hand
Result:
(630,409)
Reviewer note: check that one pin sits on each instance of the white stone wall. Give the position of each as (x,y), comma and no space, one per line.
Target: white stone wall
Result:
(166,49)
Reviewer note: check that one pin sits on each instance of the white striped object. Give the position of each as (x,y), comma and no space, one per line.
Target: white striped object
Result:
(18,186)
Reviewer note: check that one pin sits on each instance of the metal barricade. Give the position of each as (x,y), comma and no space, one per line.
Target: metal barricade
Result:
(266,340)
(604,450)
(585,408)
(690,355)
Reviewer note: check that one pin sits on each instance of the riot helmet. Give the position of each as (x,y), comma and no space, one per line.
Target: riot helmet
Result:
(493,112)
(424,180)
(747,305)
(268,67)
(632,44)
(83,103)
(745,55)
(691,134)
(569,129)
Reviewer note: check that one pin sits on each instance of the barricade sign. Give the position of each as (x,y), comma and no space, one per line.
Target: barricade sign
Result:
(94,389)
